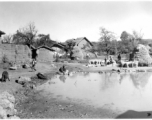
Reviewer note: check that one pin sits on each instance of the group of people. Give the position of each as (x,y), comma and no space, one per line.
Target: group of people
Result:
(110,60)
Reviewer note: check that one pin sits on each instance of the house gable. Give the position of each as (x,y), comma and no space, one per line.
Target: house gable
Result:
(82,40)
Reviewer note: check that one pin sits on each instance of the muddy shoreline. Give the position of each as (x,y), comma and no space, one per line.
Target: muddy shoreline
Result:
(32,103)
(35,104)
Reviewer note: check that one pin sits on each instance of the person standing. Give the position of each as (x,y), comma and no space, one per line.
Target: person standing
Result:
(119,57)
(33,64)
(105,61)
(111,60)
(34,54)
(34,58)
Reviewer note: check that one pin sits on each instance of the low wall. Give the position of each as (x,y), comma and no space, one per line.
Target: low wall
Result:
(15,53)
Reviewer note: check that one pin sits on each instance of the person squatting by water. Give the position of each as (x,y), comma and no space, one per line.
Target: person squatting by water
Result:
(109,60)
(62,70)
(5,76)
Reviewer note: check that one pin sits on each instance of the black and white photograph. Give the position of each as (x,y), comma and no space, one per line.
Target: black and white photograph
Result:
(76,59)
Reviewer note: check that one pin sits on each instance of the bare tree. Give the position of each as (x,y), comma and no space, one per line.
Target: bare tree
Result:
(26,34)
(105,39)
(30,28)
(106,35)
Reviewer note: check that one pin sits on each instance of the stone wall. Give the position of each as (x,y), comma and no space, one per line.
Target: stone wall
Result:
(45,55)
(15,53)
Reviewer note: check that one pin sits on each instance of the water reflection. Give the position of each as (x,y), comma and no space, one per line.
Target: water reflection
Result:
(140,80)
(62,78)
(124,90)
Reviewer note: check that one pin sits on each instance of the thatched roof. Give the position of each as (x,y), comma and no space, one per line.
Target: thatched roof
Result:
(1,33)
(78,40)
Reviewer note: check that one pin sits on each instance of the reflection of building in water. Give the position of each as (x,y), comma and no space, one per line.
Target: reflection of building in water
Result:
(140,79)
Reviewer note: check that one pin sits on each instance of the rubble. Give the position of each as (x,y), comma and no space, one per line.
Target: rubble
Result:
(23,78)
(7,110)
(6,95)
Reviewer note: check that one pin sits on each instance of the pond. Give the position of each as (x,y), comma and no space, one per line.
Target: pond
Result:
(128,91)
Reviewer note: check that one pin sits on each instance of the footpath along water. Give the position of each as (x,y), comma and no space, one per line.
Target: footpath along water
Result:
(129,91)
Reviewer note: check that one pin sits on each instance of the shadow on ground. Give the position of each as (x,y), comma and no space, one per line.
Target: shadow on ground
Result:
(135,114)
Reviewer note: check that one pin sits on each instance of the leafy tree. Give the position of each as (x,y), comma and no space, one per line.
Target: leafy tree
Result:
(126,44)
(129,41)
(70,46)
(125,36)
(42,39)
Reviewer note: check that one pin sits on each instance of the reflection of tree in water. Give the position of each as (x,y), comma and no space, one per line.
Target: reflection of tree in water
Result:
(122,76)
(140,79)
(108,80)
(62,78)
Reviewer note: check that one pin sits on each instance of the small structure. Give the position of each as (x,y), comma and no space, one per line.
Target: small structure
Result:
(48,53)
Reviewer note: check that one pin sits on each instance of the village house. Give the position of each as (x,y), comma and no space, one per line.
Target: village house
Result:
(83,43)
(82,47)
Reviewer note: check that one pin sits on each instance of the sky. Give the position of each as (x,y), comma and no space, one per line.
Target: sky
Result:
(72,19)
